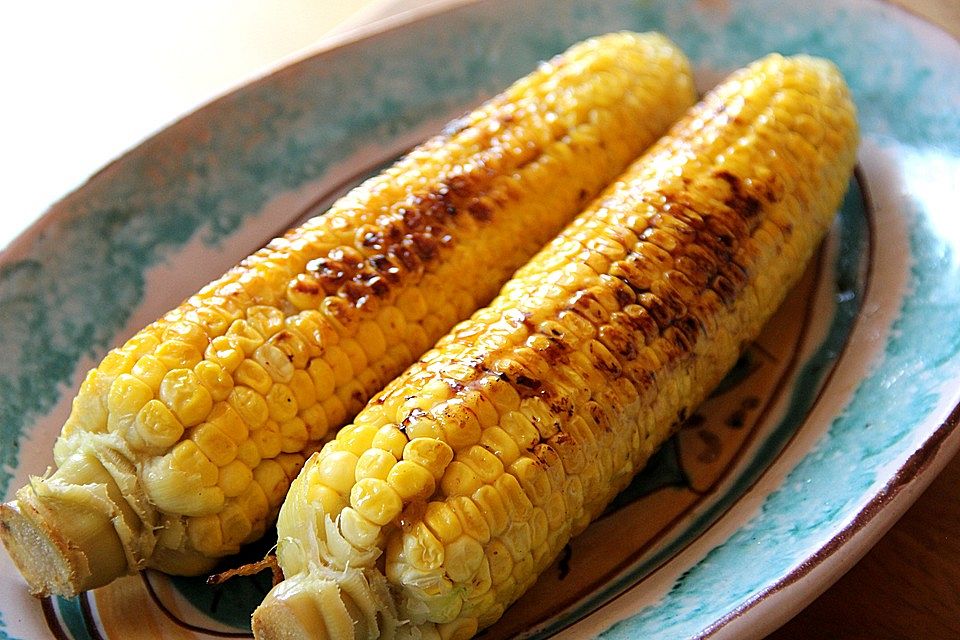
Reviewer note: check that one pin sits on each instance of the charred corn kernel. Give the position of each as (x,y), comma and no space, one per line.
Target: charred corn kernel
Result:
(374,463)
(157,427)
(682,260)
(440,234)
(215,378)
(234,478)
(274,362)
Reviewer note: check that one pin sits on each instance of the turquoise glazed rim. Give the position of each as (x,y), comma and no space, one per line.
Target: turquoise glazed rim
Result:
(70,285)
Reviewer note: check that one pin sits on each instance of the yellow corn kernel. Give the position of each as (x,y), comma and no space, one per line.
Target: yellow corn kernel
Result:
(412,305)
(460,426)
(249,405)
(176,354)
(303,390)
(188,332)
(358,531)
(501,561)
(390,438)
(235,525)
(115,363)
(421,549)
(183,394)
(374,463)
(188,458)
(226,419)
(339,363)
(532,478)
(325,500)
(205,535)
(337,470)
(234,478)
(335,411)
(223,351)
(215,444)
(272,479)
(491,505)
(316,420)
(293,435)
(244,336)
(431,454)
(215,378)
(248,453)
(411,481)
(126,397)
(443,522)
(486,465)
(268,440)
(150,371)
(375,500)
(499,443)
(462,558)
(265,320)
(281,403)
(141,344)
(356,438)
(322,375)
(274,362)
(291,463)
(370,338)
(459,480)
(157,426)
(520,429)
(253,375)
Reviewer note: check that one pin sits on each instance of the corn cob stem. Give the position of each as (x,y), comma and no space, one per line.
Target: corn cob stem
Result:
(202,419)
(459,483)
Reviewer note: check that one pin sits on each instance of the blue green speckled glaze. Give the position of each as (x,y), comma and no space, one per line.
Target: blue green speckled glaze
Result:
(74,284)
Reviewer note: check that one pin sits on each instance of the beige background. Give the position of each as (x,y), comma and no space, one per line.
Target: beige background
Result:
(86,81)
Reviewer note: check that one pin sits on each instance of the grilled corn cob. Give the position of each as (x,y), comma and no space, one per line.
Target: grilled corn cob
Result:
(182,443)
(461,481)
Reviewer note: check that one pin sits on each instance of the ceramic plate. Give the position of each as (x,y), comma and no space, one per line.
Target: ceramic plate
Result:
(829,426)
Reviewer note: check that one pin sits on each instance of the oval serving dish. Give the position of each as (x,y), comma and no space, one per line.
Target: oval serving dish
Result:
(831,424)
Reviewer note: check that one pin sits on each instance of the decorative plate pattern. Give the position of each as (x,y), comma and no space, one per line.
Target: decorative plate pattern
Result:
(830,424)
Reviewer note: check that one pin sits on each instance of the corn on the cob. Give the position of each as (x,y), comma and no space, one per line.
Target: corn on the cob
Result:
(182,443)
(468,474)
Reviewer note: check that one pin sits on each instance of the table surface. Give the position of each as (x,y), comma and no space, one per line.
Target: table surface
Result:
(908,586)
